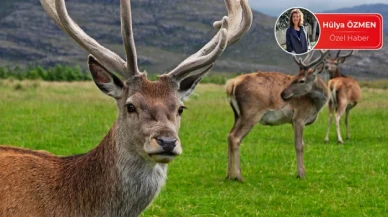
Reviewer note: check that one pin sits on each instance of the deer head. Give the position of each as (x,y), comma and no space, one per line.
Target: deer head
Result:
(303,83)
(150,111)
(331,64)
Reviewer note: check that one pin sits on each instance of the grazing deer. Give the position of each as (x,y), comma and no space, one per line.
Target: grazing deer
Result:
(272,99)
(344,94)
(122,175)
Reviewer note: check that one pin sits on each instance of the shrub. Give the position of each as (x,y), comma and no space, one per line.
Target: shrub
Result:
(57,73)
(18,86)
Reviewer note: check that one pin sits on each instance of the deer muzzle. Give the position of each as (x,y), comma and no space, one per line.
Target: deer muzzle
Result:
(165,149)
(286,96)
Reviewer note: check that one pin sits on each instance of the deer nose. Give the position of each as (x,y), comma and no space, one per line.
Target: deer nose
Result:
(283,94)
(167,143)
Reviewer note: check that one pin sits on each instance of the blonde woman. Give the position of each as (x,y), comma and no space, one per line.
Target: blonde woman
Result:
(296,36)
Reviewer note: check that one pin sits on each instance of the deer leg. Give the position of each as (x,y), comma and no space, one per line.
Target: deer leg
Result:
(299,146)
(340,112)
(347,123)
(331,111)
(231,144)
(239,131)
(348,108)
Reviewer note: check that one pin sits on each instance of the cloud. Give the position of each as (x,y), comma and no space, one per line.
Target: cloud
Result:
(275,9)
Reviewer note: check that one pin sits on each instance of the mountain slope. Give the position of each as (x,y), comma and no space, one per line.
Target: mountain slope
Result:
(368,64)
(367,8)
(166,32)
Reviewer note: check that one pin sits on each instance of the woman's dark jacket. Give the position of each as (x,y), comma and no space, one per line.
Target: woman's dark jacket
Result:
(294,43)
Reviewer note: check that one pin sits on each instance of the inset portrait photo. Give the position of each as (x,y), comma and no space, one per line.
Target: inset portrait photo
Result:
(297,31)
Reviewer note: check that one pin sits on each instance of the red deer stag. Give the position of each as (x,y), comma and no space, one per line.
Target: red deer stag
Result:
(344,94)
(272,99)
(122,175)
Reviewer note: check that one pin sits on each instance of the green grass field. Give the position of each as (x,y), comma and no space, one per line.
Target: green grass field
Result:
(341,180)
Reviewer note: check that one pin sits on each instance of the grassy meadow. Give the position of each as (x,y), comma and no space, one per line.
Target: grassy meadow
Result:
(341,180)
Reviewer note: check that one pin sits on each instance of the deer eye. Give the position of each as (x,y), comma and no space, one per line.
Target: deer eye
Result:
(131,108)
(302,81)
(180,110)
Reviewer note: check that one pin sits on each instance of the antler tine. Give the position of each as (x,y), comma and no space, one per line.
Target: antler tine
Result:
(197,61)
(304,63)
(240,16)
(338,53)
(56,9)
(308,57)
(231,29)
(128,38)
(323,54)
(298,61)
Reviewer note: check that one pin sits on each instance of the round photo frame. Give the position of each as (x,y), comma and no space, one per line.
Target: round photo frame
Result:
(297,30)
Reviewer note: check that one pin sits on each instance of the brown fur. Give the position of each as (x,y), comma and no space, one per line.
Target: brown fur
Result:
(257,97)
(258,83)
(107,181)
(346,87)
(125,172)
(33,182)
(345,94)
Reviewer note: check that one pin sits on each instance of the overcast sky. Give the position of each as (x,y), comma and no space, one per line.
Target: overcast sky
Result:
(276,7)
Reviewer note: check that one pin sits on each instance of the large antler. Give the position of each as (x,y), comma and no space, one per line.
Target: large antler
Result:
(308,57)
(231,29)
(306,62)
(56,9)
(127,34)
(344,56)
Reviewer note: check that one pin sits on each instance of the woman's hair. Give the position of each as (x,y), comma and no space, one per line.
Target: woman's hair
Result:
(296,11)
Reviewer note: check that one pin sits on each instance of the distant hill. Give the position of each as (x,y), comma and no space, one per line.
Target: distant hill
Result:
(369,63)
(166,32)
(367,8)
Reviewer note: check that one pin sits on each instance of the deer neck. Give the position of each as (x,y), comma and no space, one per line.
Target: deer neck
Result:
(319,94)
(139,178)
(336,73)
(111,181)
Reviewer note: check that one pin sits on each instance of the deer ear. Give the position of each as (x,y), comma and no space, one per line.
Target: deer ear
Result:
(188,84)
(107,82)
(319,68)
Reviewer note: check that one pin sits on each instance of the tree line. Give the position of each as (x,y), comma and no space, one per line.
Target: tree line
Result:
(66,73)
(57,73)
